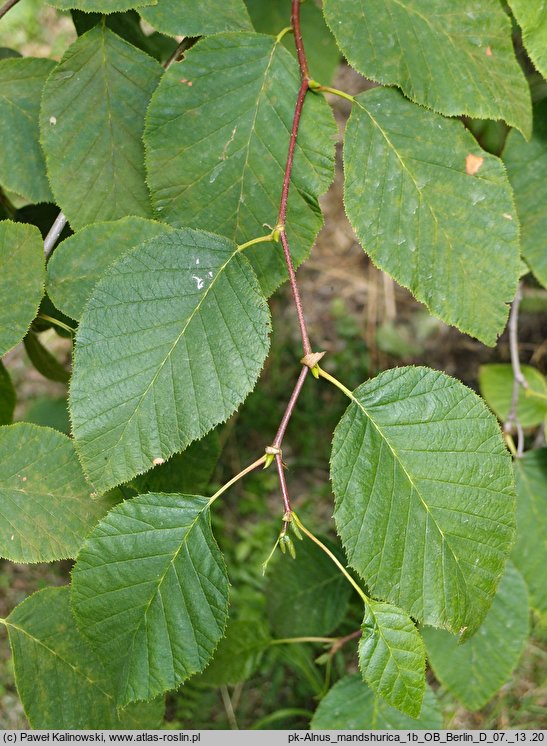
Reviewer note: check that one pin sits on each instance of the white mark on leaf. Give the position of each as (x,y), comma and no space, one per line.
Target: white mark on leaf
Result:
(199,282)
(158,461)
(53,120)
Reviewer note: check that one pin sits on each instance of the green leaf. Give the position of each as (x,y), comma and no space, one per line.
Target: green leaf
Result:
(475,670)
(392,657)
(308,595)
(150,591)
(530,549)
(351,705)
(169,345)
(239,653)
(79,262)
(526,164)
(424,495)
(531,16)
(61,682)
(188,18)
(22,165)
(189,471)
(50,413)
(7,396)
(42,359)
(453,56)
(46,507)
(22,272)
(216,150)
(496,387)
(128,26)
(94,102)
(439,231)
(6,53)
(99,6)
(321,48)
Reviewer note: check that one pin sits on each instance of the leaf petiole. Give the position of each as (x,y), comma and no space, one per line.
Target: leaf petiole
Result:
(318,88)
(327,551)
(327,376)
(237,477)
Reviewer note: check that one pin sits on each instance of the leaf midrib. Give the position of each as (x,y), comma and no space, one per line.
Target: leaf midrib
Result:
(413,486)
(167,357)
(184,540)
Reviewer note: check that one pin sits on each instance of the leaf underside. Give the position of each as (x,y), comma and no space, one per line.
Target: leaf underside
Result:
(307,595)
(22,272)
(22,165)
(526,165)
(150,592)
(46,506)
(531,16)
(216,139)
(453,56)
(7,396)
(530,550)
(437,230)
(79,262)
(424,495)
(351,705)
(99,6)
(496,387)
(188,18)
(61,682)
(475,670)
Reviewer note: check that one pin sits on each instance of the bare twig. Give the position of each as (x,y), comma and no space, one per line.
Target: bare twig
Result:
(518,377)
(54,233)
(7,6)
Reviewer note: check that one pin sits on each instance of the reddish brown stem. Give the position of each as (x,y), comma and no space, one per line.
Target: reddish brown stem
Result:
(295,22)
(290,407)
(342,641)
(304,86)
(7,6)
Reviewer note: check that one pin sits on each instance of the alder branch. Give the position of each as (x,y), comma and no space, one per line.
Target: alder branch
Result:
(7,6)
(304,87)
(54,233)
(518,377)
(282,215)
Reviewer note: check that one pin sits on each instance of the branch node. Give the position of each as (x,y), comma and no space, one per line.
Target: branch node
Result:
(311,361)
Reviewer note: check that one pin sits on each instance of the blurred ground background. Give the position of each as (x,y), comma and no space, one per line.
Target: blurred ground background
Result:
(367,324)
